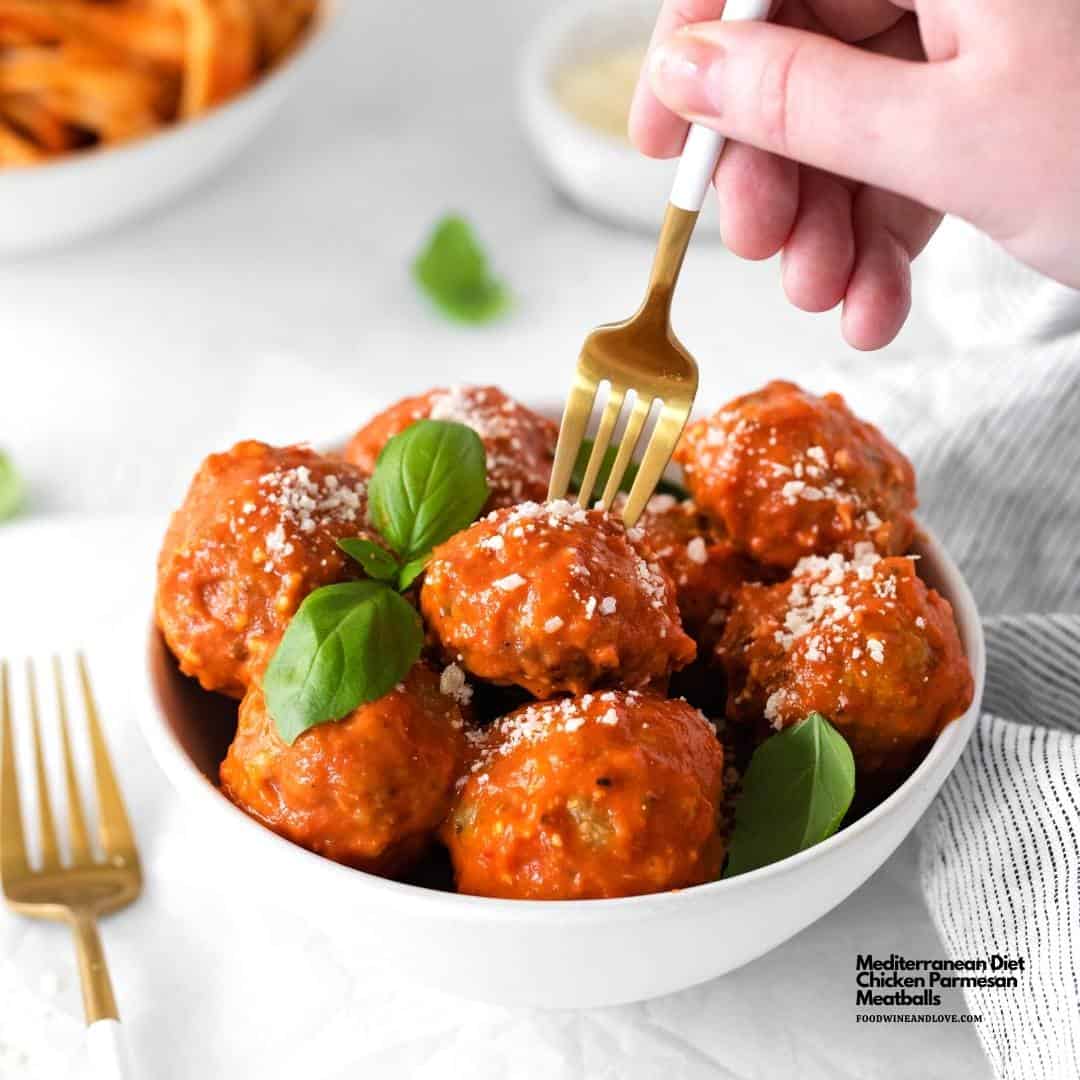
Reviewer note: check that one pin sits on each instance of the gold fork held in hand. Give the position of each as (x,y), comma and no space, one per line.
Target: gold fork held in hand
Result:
(84,886)
(642,356)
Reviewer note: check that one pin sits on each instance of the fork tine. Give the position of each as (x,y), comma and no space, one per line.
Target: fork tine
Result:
(638,415)
(114,828)
(13,862)
(600,444)
(655,460)
(50,851)
(80,840)
(575,420)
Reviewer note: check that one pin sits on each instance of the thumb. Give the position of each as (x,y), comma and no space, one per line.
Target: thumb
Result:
(815,100)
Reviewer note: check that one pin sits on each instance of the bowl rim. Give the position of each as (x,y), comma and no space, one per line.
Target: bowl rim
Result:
(932,771)
(326,14)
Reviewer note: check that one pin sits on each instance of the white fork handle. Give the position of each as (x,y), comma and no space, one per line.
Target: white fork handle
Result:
(702,149)
(108,1051)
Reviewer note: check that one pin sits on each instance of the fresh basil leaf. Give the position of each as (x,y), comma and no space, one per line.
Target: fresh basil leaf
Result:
(665,487)
(378,563)
(412,570)
(347,644)
(11,489)
(429,483)
(453,271)
(796,792)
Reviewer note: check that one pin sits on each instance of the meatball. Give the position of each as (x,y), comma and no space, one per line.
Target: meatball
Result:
(256,533)
(791,474)
(610,794)
(554,598)
(520,444)
(703,563)
(368,790)
(864,642)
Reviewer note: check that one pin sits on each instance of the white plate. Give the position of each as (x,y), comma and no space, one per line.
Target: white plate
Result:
(46,206)
(561,954)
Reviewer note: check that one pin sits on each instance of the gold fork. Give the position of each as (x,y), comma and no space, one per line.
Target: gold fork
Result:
(84,887)
(642,355)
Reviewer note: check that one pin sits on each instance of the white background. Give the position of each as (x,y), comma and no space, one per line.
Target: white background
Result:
(275,302)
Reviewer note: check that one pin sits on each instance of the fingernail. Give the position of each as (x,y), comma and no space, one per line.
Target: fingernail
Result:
(684,74)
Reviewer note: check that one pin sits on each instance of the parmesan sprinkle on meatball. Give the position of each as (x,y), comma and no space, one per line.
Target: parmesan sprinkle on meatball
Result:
(623,793)
(554,598)
(791,474)
(256,533)
(861,640)
(520,444)
(705,566)
(368,790)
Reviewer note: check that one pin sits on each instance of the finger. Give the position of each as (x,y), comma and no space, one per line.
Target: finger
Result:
(815,100)
(819,255)
(889,232)
(654,129)
(759,196)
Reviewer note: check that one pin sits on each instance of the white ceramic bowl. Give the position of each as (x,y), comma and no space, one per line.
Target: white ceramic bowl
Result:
(580,953)
(601,173)
(46,206)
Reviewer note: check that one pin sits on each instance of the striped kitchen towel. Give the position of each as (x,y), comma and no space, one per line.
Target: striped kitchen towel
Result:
(995,437)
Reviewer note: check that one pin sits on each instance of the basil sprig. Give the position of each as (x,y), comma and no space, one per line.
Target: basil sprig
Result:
(351,643)
(429,483)
(378,563)
(453,271)
(348,644)
(796,791)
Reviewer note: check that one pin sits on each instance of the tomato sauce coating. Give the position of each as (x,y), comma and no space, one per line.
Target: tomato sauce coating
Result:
(791,474)
(519,443)
(554,598)
(864,642)
(610,794)
(368,790)
(256,533)
(705,566)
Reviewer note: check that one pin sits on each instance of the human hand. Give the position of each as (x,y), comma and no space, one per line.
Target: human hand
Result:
(858,122)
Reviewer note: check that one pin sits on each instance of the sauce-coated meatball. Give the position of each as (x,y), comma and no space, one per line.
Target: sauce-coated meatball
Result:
(791,474)
(256,533)
(520,444)
(864,642)
(368,790)
(705,566)
(555,599)
(610,794)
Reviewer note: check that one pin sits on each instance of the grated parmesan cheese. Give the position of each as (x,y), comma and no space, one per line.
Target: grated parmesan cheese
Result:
(696,551)
(453,684)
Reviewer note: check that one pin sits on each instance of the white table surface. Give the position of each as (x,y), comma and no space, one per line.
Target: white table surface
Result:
(275,302)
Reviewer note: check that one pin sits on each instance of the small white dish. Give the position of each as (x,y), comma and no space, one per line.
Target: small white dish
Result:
(602,173)
(554,954)
(49,205)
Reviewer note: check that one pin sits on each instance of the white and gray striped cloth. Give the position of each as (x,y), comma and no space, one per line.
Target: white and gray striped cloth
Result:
(995,437)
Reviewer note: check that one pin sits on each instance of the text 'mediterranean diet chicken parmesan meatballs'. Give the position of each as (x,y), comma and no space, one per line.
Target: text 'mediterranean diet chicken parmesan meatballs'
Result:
(615,793)
(256,533)
(554,598)
(520,444)
(368,790)
(792,474)
(863,641)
